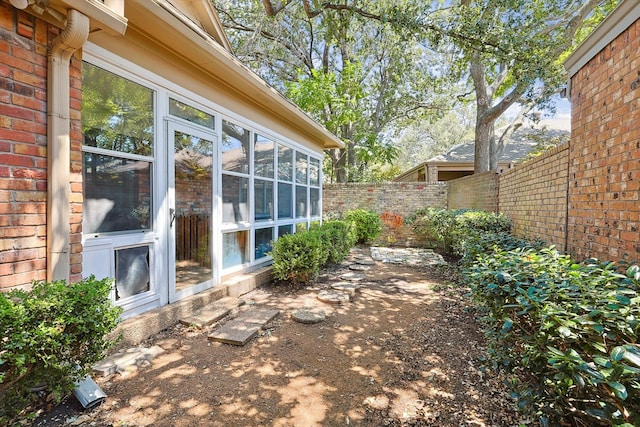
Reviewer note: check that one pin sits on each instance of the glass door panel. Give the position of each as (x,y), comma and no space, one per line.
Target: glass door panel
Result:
(191,210)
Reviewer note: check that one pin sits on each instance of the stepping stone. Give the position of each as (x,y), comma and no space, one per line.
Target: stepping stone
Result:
(121,361)
(308,316)
(359,267)
(260,316)
(235,332)
(353,276)
(365,261)
(244,327)
(333,297)
(212,312)
(346,287)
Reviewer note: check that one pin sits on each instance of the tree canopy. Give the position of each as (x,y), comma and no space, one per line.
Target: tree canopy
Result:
(368,68)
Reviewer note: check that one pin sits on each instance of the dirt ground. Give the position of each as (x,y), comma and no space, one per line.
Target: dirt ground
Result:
(405,351)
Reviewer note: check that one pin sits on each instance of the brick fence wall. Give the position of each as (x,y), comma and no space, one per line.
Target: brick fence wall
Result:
(391,200)
(534,196)
(474,191)
(604,167)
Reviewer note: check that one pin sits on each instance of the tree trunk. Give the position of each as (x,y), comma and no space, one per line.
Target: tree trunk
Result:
(483,142)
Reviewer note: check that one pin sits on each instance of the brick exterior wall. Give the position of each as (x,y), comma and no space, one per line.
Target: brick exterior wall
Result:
(474,191)
(391,200)
(604,168)
(534,196)
(24,42)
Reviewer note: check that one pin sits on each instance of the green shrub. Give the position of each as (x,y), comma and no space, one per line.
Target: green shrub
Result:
(298,257)
(567,332)
(461,229)
(52,335)
(340,238)
(367,224)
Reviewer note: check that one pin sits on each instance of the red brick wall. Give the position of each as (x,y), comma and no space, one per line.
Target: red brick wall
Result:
(393,201)
(24,42)
(604,210)
(534,196)
(474,191)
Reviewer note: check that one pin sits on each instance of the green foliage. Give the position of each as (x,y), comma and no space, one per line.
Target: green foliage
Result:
(463,232)
(339,237)
(367,225)
(52,335)
(298,257)
(567,332)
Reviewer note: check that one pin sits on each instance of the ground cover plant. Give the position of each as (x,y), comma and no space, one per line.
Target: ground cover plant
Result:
(52,335)
(566,332)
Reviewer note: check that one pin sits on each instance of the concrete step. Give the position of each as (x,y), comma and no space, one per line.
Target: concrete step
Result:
(213,312)
(244,327)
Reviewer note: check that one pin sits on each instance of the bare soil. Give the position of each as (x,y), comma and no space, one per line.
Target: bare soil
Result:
(405,351)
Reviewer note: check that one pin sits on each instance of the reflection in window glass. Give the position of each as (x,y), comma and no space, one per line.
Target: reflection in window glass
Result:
(314,171)
(314,196)
(192,114)
(263,155)
(234,248)
(235,148)
(117,114)
(117,194)
(285,201)
(132,271)
(301,168)
(263,238)
(285,163)
(285,229)
(263,196)
(301,201)
(234,198)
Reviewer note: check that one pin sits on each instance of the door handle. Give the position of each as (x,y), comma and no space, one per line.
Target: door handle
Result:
(172,216)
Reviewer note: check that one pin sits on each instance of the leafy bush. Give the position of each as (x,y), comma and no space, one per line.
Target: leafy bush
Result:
(52,335)
(368,225)
(299,257)
(567,332)
(461,229)
(338,237)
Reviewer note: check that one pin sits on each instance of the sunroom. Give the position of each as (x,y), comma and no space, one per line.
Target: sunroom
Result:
(191,165)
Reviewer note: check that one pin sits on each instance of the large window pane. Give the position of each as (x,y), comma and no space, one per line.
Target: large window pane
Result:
(234,248)
(117,194)
(301,168)
(234,198)
(263,154)
(192,114)
(285,229)
(314,172)
(285,201)
(301,201)
(285,163)
(314,196)
(235,148)
(263,196)
(263,238)
(117,114)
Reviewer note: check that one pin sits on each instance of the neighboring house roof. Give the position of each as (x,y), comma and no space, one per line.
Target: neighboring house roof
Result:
(522,142)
